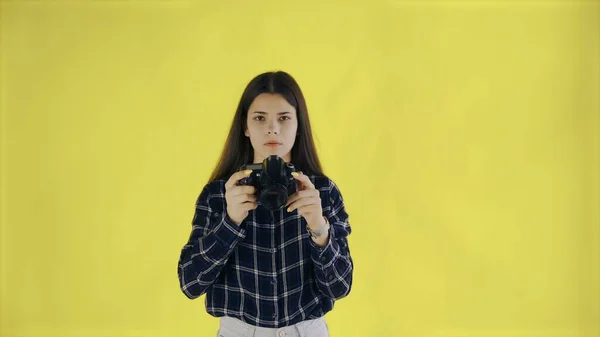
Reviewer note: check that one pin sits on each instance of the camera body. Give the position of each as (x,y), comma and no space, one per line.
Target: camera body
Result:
(273,181)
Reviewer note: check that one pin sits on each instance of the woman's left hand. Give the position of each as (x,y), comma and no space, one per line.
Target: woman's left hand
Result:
(307,201)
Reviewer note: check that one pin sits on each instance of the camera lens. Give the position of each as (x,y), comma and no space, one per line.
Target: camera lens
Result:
(274,197)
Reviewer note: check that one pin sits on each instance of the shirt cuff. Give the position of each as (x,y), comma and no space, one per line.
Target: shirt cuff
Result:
(227,232)
(322,256)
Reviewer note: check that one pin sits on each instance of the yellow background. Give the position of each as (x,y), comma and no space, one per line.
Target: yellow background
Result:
(463,135)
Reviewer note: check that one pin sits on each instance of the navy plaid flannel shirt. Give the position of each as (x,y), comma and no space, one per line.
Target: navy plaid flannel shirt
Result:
(267,272)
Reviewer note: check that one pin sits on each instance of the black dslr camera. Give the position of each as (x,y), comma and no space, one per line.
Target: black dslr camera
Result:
(273,181)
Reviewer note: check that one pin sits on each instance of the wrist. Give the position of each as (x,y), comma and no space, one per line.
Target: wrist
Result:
(320,230)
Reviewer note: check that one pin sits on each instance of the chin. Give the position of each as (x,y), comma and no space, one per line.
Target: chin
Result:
(276,152)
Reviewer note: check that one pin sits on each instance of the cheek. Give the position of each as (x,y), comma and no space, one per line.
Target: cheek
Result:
(251,131)
(291,129)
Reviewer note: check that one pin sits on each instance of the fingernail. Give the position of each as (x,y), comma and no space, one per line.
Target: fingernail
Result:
(247,172)
(288,209)
(295,174)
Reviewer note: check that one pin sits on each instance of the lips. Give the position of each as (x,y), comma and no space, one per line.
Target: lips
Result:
(272,144)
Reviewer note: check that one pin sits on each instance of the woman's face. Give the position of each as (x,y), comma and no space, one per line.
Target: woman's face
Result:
(272,126)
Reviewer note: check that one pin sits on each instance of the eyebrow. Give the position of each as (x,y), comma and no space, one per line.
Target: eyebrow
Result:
(264,113)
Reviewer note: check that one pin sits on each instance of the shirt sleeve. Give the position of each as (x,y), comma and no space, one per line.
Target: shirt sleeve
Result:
(212,240)
(333,263)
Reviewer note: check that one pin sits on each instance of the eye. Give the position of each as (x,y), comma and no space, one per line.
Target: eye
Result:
(285,118)
(259,118)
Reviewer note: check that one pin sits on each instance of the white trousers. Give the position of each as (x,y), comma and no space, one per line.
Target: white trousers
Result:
(233,327)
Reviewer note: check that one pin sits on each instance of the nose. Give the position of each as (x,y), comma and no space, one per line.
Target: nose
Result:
(273,128)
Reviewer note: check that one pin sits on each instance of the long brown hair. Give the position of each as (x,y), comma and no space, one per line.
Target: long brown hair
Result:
(238,149)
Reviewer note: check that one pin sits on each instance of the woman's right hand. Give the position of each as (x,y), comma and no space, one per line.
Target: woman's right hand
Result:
(240,199)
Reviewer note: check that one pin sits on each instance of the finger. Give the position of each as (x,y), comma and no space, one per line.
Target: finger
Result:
(244,189)
(302,194)
(302,202)
(236,177)
(306,209)
(291,199)
(241,198)
(249,205)
(307,184)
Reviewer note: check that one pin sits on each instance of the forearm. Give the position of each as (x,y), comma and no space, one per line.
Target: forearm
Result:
(203,257)
(333,266)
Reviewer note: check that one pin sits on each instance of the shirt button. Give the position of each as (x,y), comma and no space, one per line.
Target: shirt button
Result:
(273,250)
(323,258)
(216,215)
(330,277)
(275,316)
(272,282)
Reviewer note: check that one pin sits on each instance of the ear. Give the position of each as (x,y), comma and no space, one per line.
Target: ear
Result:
(246,133)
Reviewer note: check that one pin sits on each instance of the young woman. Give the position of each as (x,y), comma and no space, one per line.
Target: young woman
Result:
(268,272)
